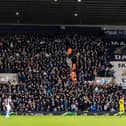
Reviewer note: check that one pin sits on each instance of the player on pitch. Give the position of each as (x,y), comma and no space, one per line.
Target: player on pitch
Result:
(121,105)
(8,104)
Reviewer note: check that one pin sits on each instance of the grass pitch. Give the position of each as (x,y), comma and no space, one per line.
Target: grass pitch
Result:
(63,121)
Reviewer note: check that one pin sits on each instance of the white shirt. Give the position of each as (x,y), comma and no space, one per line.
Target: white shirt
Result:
(7,102)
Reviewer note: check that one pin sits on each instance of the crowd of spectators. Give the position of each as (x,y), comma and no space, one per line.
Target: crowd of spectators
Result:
(44,75)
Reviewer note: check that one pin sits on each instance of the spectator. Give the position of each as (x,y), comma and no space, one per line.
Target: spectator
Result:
(40,60)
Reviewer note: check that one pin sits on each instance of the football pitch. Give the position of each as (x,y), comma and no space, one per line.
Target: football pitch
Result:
(63,121)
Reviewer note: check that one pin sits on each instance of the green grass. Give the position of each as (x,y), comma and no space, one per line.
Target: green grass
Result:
(63,121)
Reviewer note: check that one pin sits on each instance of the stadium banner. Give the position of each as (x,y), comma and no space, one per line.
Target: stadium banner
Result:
(103,80)
(118,51)
(114,32)
(9,78)
(119,68)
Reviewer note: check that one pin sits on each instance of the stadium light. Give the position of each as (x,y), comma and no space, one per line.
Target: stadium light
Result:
(75,14)
(55,0)
(17,13)
(79,0)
